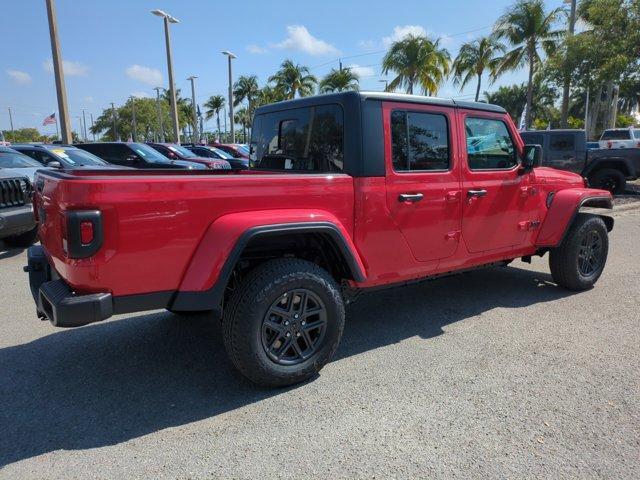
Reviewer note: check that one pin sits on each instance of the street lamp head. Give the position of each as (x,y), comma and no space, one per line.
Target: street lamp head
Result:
(163,14)
(173,19)
(159,13)
(229,54)
(192,77)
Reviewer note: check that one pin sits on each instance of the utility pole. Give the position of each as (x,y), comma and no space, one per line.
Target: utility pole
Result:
(134,134)
(13,133)
(116,135)
(157,89)
(231,56)
(84,120)
(92,129)
(196,137)
(61,91)
(172,87)
(564,112)
(340,63)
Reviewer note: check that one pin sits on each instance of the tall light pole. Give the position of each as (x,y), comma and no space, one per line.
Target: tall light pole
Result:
(167,19)
(196,137)
(564,109)
(61,91)
(116,134)
(386,83)
(13,134)
(134,134)
(231,56)
(84,120)
(157,89)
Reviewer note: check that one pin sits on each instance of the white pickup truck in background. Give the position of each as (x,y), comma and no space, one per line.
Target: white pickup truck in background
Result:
(620,138)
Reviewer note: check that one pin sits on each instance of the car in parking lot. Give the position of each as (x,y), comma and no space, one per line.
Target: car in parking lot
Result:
(18,163)
(238,150)
(178,152)
(17,222)
(61,156)
(136,155)
(212,152)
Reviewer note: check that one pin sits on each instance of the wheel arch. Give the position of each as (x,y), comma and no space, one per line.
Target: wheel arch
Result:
(615,163)
(563,209)
(260,241)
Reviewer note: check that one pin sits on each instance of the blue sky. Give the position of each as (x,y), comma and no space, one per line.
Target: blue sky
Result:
(114,49)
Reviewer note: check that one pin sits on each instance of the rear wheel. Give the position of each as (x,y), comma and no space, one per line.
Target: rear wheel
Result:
(609,179)
(579,260)
(284,322)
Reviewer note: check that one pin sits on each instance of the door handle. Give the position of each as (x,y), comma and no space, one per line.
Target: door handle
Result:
(476,193)
(410,197)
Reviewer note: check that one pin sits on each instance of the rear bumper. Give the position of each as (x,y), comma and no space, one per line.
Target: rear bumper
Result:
(56,301)
(16,220)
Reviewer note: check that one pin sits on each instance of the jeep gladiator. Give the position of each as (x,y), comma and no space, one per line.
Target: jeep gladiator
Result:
(346,192)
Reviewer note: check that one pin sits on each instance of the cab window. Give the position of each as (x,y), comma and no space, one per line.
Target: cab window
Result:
(489,145)
(419,141)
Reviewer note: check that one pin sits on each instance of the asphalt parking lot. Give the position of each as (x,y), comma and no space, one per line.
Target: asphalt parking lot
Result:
(495,374)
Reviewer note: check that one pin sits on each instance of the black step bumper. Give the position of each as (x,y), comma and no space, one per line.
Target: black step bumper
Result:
(57,302)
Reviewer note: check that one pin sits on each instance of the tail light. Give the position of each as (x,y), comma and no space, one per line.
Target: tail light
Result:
(81,232)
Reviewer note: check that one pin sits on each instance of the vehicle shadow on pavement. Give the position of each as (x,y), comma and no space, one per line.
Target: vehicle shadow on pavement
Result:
(111,382)
(9,252)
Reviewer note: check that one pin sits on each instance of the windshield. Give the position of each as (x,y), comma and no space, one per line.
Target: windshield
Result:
(182,151)
(17,160)
(75,156)
(148,153)
(221,153)
(615,135)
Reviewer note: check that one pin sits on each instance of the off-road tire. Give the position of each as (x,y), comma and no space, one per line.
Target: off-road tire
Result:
(243,317)
(609,179)
(564,260)
(24,239)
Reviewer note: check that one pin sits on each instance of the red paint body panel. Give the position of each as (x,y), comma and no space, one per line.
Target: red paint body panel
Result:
(174,231)
(563,208)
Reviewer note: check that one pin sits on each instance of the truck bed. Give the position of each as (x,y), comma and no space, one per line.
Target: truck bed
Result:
(153,221)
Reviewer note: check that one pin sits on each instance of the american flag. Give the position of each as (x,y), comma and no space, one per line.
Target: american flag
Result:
(50,120)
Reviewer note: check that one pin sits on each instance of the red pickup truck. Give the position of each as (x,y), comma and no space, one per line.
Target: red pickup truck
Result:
(345,192)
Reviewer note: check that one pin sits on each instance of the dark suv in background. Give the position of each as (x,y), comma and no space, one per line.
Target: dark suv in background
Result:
(17,223)
(135,155)
(61,156)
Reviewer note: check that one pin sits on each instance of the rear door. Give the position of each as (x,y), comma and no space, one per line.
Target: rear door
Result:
(423,177)
(564,153)
(494,190)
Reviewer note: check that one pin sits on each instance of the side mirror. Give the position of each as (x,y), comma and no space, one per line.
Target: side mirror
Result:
(54,164)
(532,157)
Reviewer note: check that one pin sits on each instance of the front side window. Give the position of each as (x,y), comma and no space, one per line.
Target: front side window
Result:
(562,143)
(489,145)
(419,141)
(309,139)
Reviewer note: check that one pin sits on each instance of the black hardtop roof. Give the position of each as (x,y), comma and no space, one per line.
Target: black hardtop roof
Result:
(383,96)
(554,130)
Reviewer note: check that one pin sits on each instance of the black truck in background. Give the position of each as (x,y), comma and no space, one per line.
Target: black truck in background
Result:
(608,169)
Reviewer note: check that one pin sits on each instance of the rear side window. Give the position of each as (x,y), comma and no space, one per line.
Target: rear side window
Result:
(562,143)
(309,139)
(532,138)
(419,141)
(616,135)
(489,145)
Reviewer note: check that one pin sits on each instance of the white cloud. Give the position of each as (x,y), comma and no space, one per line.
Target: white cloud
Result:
(140,95)
(150,76)
(368,45)
(256,49)
(300,39)
(89,99)
(71,69)
(19,77)
(362,71)
(400,32)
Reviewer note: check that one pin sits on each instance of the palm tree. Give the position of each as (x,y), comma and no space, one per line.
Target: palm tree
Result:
(474,58)
(294,79)
(269,94)
(417,60)
(339,81)
(213,107)
(243,117)
(527,28)
(245,88)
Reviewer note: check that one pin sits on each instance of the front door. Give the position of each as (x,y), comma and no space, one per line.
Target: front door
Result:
(494,190)
(423,177)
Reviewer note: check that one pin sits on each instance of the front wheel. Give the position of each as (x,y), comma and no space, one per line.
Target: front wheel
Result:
(579,260)
(284,322)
